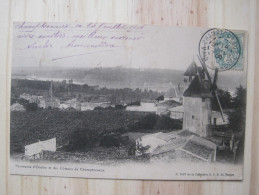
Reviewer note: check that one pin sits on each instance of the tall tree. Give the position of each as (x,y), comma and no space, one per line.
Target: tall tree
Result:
(225,100)
(237,118)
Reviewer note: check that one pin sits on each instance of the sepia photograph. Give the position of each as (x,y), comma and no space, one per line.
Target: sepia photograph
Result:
(121,101)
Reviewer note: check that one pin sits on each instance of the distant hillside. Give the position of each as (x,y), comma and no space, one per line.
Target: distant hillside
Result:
(119,77)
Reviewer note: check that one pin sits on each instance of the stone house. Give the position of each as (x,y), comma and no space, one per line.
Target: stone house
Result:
(31,98)
(73,103)
(49,102)
(216,118)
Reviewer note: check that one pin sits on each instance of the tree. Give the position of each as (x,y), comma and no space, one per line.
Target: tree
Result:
(224,98)
(166,123)
(31,107)
(237,118)
(240,99)
(148,122)
(160,98)
(78,140)
(110,141)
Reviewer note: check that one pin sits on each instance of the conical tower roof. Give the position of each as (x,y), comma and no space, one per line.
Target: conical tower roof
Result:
(198,88)
(191,70)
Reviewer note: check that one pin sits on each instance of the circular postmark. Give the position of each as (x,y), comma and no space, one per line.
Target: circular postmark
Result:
(219,48)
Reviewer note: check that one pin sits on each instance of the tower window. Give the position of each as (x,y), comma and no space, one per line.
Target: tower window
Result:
(192,116)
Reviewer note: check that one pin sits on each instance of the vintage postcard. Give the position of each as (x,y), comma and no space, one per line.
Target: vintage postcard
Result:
(121,101)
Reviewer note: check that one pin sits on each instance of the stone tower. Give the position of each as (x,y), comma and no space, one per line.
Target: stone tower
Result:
(197,105)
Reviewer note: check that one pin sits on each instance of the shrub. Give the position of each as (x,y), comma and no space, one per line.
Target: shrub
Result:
(166,123)
(77,140)
(110,141)
(148,121)
(31,107)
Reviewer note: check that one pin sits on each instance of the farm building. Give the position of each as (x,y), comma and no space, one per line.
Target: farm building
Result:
(163,108)
(92,105)
(176,146)
(216,118)
(31,98)
(49,103)
(35,99)
(87,106)
(17,107)
(73,103)
(25,96)
(145,106)
(177,112)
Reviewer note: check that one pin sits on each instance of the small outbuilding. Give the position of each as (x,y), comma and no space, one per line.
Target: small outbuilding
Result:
(216,118)
(177,112)
(163,108)
(17,107)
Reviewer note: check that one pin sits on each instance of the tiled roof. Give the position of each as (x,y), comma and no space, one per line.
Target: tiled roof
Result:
(175,144)
(183,140)
(169,103)
(200,147)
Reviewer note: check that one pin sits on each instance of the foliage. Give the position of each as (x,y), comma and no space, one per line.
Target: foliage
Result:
(166,123)
(160,98)
(152,122)
(20,101)
(30,127)
(110,141)
(33,84)
(129,144)
(136,103)
(77,130)
(31,107)
(71,90)
(142,150)
(148,121)
(119,107)
(77,140)
(81,139)
(225,100)
(237,118)
(240,99)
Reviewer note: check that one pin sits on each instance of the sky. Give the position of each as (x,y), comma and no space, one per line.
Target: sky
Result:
(159,47)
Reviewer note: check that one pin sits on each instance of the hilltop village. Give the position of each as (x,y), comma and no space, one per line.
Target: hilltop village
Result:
(203,135)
